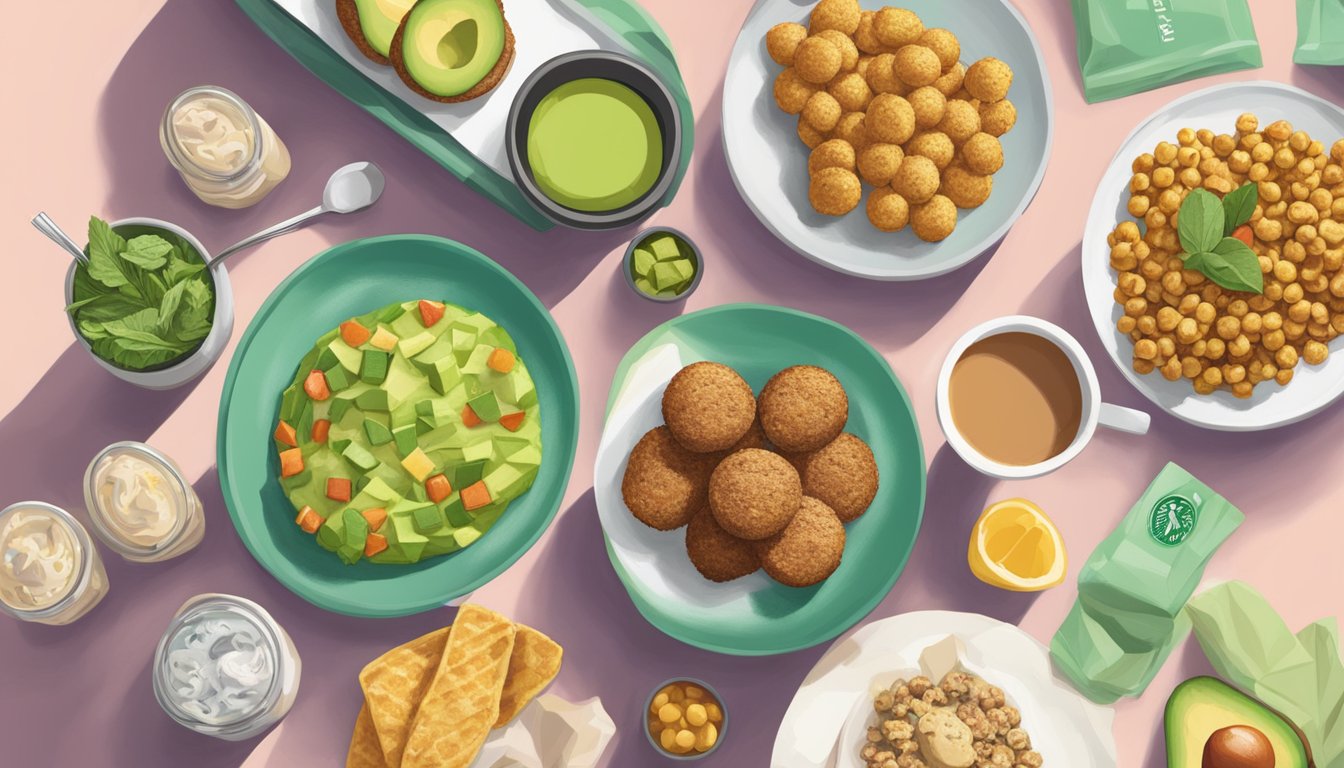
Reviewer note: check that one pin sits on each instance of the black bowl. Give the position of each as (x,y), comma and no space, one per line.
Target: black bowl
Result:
(607,66)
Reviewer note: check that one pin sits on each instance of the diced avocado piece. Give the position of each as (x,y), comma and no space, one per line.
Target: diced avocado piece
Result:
(331,534)
(378,22)
(390,313)
(359,456)
(477,362)
(517,388)
(410,347)
(328,359)
(376,494)
(338,378)
(684,267)
(402,537)
(303,425)
(441,349)
(481,450)
(441,542)
(527,457)
(362,482)
(377,432)
(406,326)
(474,322)
(463,341)
(418,464)
(506,481)
(666,277)
(418,492)
(405,439)
(347,355)
(466,474)
(438,438)
(428,518)
(456,514)
(505,445)
(290,403)
(402,383)
(485,406)
(338,445)
(443,375)
(664,247)
(339,407)
(645,286)
(356,531)
(465,536)
(643,261)
(373,400)
(373,368)
(403,415)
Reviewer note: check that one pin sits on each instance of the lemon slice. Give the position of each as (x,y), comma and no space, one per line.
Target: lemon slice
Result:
(1014,546)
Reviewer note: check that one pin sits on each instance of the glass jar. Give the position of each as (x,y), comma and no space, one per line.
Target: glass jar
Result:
(225,668)
(140,504)
(226,153)
(50,572)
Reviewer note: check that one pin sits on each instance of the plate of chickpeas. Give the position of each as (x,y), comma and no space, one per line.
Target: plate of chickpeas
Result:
(1226,359)
(892,142)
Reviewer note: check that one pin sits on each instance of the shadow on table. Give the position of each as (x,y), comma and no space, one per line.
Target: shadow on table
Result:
(319,126)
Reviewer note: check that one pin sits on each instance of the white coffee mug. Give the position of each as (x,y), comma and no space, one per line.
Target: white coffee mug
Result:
(1094,410)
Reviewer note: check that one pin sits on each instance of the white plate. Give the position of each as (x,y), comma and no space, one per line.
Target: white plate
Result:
(769,164)
(1313,386)
(1066,728)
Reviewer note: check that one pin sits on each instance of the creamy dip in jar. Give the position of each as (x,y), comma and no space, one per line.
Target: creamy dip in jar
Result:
(49,571)
(226,153)
(141,505)
(225,668)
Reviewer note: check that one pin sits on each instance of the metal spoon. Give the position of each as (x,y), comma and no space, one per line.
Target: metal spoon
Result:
(48,227)
(350,188)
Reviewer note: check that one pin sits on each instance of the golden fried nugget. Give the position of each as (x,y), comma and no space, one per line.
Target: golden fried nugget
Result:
(960,121)
(808,550)
(881,75)
(982,154)
(989,79)
(950,81)
(943,43)
(834,191)
(896,27)
(852,91)
(832,153)
(934,220)
(864,36)
(877,163)
(841,15)
(934,145)
(929,104)
(782,40)
(916,180)
(890,119)
(965,189)
(887,210)
(810,136)
(792,92)
(917,65)
(754,493)
(865,60)
(851,129)
(998,118)
(817,60)
(849,54)
(822,111)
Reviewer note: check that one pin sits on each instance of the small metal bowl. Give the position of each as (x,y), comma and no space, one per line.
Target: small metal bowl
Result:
(607,66)
(211,347)
(713,694)
(628,264)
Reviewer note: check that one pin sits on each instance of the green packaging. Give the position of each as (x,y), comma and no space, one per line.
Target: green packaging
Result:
(1132,589)
(1320,32)
(1138,45)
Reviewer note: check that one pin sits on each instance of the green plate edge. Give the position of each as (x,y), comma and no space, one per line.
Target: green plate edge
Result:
(672,331)
(627,22)
(452,249)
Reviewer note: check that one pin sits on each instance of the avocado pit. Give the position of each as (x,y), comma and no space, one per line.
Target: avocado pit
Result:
(1238,746)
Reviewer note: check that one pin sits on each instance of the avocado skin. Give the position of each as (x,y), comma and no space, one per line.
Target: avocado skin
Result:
(1237,708)
(348,13)
(482,87)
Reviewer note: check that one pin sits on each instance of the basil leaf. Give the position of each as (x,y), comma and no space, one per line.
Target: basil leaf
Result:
(147,251)
(172,300)
(1239,205)
(1200,221)
(179,269)
(113,306)
(92,330)
(1231,264)
(104,245)
(74,305)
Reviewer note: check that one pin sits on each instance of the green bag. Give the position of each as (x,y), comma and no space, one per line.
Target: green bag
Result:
(1131,46)
(1320,32)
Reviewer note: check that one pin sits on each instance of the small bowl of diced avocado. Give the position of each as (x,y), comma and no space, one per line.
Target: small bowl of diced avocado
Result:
(147,306)
(662,264)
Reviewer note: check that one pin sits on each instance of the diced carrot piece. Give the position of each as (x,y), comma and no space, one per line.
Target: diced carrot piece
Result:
(291,462)
(316,385)
(375,517)
(338,488)
(374,543)
(469,417)
(354,334)
(309,520)
(286,434)
(438,488)
(321,428)
(1244,234)
(475,496)
(431,312)
(501,360)
(513,421)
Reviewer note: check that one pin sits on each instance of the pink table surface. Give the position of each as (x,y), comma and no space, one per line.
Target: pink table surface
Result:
(85,85)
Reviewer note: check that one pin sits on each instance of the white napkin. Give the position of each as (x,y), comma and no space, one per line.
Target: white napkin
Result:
(550,733)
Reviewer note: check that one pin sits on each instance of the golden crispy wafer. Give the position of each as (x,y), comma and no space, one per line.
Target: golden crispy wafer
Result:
(534,664)
(394,684)
(365,751)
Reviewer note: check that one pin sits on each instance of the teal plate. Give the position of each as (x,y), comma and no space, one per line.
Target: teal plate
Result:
(347,280)
(756,616)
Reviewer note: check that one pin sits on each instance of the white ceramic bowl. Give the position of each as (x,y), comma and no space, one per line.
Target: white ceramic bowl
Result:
(211,347)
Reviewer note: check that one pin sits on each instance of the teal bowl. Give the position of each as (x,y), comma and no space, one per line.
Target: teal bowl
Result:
(347,280)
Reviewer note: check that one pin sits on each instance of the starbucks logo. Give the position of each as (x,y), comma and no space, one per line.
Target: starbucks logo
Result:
(1172,520)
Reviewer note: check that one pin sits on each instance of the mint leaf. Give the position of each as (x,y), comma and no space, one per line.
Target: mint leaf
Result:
(1239,205)
(1231,264)
(147,251)
(104,247)
(172,300)
(1200,221)
(180,269)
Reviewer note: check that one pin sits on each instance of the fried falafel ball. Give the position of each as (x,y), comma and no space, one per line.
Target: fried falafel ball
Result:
(842,474)
(916,180)
(960,121)
(890,119)
(708,407)
(817,60)
(934,220)
(851,129)
(852,91)
(802,408)
(832,153)
(792,92)
(917,66)
(877,163)
(754,493)
(887,210)
(822,111)
(715,553)
(849,54)
(934,145)
(782,40)
(966,189)
(998,118)
(989,79)
(834,191)
(950,81)
(808,550)
(881,75)
(865,37)
(896,27)
(929,104)
(983,154)
(664,484)
(810,136)
(841,15)
(943,43)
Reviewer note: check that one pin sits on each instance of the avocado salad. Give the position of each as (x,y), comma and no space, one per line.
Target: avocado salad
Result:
(407,432)
(144,299)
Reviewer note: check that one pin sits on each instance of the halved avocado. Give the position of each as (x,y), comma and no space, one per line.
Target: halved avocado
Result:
(1203,705)
(453,50)
(371,24)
